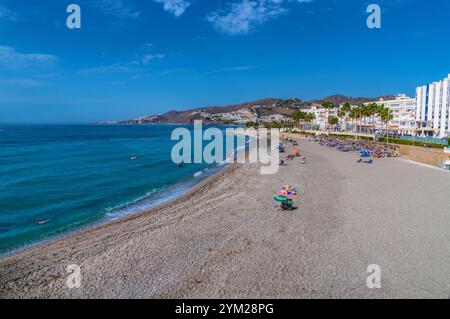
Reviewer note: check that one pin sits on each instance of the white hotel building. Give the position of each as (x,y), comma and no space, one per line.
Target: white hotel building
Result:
(403,110)
(432,111)
(321,115)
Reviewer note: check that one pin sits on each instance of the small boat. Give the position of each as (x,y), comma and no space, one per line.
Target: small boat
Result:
(133,158)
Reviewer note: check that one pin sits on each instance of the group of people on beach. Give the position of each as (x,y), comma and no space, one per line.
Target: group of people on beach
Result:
(364,147)
(295,152)
(287,194)
(285,197)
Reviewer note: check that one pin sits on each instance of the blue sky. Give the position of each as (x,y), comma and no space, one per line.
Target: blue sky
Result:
(140,57)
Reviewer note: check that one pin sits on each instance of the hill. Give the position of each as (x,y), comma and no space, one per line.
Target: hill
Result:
(267,109)
(338,99)
(229,114)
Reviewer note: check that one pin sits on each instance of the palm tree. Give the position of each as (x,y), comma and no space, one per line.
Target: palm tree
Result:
(309,117)
(365,113)
(357,114)
(360,117)
(378,110)
(333,120)
(298,117)
(341,114)
(386,116)
(371,111)
(353,115)
(346,108)
(327,105)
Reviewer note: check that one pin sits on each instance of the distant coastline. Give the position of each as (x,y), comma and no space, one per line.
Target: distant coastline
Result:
(238,114)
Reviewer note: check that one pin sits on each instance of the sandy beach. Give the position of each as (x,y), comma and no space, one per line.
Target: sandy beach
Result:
(225,238)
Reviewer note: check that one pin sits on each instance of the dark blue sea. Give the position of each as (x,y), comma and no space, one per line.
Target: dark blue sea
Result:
(56,179)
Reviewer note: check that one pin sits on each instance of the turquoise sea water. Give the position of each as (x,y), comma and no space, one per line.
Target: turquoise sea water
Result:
(73,176)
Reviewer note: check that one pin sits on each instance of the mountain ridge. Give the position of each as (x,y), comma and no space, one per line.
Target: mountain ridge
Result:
(265,108)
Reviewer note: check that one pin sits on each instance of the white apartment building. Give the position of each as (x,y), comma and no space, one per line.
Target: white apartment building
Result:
(321,115)
(274,117)
(403,109)
(432,111)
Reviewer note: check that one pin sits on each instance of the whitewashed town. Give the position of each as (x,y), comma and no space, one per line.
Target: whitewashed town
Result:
(425,115)
(424,118)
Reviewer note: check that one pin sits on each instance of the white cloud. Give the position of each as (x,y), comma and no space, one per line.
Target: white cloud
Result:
(243,16)
(146,55)
(11,59)
(150,57)
(127,67)
(114,68)
(176,7)
(7,14)
(147,58)
(116,8)
(234,69)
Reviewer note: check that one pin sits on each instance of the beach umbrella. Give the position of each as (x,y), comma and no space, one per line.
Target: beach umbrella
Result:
(296,151)
(280,198)
(364,154)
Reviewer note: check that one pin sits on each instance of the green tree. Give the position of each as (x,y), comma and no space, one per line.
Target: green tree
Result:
(365,114)
(353,115)
(309,117)
(327,105)
(333,121)
(378,110)
(372,111)
(386,116)
(341,114)
(346,107)
(358,114)
(298,117)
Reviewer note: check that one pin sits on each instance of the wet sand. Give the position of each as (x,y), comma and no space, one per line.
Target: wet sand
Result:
(225,238)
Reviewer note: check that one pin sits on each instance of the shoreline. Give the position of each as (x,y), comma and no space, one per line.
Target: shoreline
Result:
(187,186)
(36,250)
(108,220)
